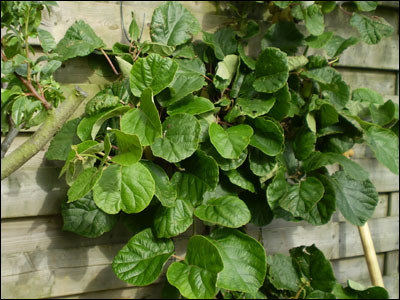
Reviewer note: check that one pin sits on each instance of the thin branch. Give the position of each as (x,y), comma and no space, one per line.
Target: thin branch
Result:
(177,257)
(30,87)
(345,11)
(109,61)
(208,78)
(11,135)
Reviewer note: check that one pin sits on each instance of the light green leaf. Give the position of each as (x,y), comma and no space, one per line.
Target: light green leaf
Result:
(46,40)
(228,211)
(318,159)
(165,191)
(296,62)
(201,175)
(336,45)
(185,51)
(188,79)
(180,138)
(241,177)
(172,24)
(385,145)
(141,260)
(319,41)
(83,184)
(302,197)
(172,221)
(282,273)
(90,126)
(223,42)
(18,110)
(272,70)
(153,71)
(314,20)
(192,105)
(133,28)
(124,66)
(143,121)
(244,259)
(230,143)
(250,62)
(79,40)
(196,276)
(268,136)
(225,164)
(226,69)
(128,188)
(61,143)
(366,5)
(101,102)
(356,199)
(129,148)
(83,217)
(50,67)
(255,107)
(372,30)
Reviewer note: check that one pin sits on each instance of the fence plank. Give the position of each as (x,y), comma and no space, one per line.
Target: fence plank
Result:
(394,204)
(391,262)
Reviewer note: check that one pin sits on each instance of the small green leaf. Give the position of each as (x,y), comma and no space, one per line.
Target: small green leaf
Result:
(128,188)
(255,107)
(180,138)
(124,66)
(153,71)
(192,105)
(79,40)
(366,5)
(172,221)
(157,48)
(18,110)
(228,211)
(372,30)
(272,70)
(223,42)
(250,62)
(241,177)
(129,148)
(143,121)
(296,62)
(225,164)
(83,217)
(133,29)
(314,20)
(101,102)
(141,260)
(356,199)
(282,273)
(83,184)
(196,276)
(244,259)
(268,136)
(382,114)
(230,143)
(46,40)
(50,67)
(172,24)
(336,45)
(262,165)
(319,41)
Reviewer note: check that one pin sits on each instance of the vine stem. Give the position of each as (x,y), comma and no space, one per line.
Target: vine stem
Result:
(11,135)
(345,11)
(109,61)
(298,293)
(177,257)
(27,46)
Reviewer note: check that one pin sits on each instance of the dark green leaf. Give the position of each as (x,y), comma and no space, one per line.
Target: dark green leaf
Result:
(268,136)
(262,165)
(314,20)
(282,274)
(241,177)
(336,45)
(101,102)
(282,105)
(83,184)
(382,114)
(60,145)
(225,164)
(320,40)
(223,42)
(261,213)
(250,62)
(304,143)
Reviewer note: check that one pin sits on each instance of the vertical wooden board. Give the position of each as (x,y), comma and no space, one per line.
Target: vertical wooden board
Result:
(394,204)
(384,231)
(391,262)
(354,268)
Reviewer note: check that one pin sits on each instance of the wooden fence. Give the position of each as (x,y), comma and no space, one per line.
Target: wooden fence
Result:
(39,260)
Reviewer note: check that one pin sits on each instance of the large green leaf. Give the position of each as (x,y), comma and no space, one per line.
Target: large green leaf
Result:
(242,177)
(60,145)
(153,71)
(336,45)
(172,24)
(83,217)
(375,292)
(385,145)
(143,121)
(383,114)
(244,259)
(272,70)
(129,188)
(129,148)
(196,276)
(46,40)
(188,78)
(302,197)
(226,70)
(320,40)
(201,175)
(262,165)
(356,199)
(225,164)
(79,40)
(192,105)
(255,107)
(223,42)
(90,126)
(268,136)
(141,260)
(372,30)
(230,143)
(102,101)
(304,143)
(165,191)
(314,20)
(228,211)
(318,159)
(180,138)
(83,184)
(172,221)
(282,273)
(277,188)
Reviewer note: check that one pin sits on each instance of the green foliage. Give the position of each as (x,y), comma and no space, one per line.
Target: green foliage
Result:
(205,132)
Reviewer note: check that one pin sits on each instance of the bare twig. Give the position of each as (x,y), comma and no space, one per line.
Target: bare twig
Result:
(109,61)
(11,135)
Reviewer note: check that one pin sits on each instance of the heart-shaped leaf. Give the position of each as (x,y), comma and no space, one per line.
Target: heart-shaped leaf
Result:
(230,143)
(143,121)
(372,30)
(129,188)
(141,260)
(244,260)
(262,165)
(314,20)
(228,211)
(129,148)
(196,276)
(180,138)
(268,136)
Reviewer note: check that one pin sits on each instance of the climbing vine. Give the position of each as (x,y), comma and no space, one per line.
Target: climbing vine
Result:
(201,133)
